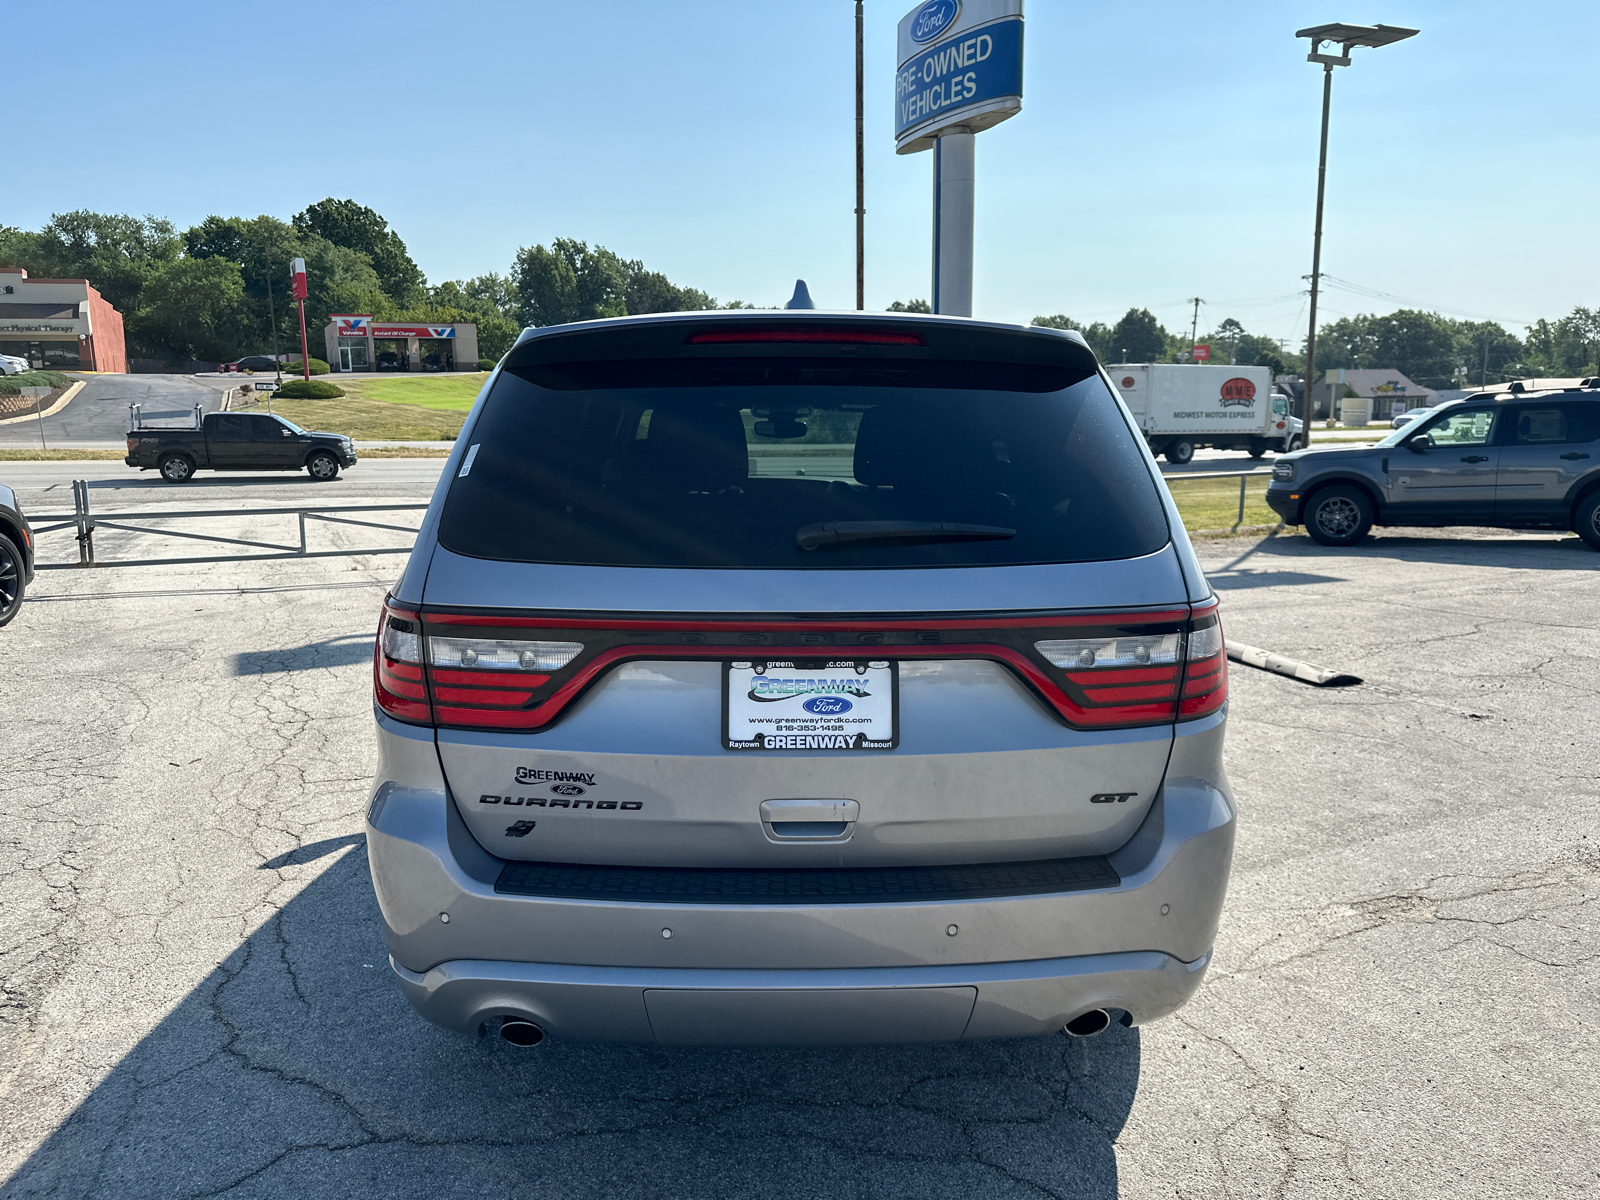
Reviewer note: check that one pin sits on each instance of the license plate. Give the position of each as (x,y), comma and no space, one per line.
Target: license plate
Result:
(810,704)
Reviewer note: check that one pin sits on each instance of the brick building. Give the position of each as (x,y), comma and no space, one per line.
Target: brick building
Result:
(59,324)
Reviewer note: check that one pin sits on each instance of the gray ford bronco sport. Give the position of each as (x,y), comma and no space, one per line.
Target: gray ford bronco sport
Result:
(799,677)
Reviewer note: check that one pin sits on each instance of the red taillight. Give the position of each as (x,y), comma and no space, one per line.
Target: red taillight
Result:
(398,682)
(133,444)
(851,337)
(476,681)
(524,671)
(1205,677)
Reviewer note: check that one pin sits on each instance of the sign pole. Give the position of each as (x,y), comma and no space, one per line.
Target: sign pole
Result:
(297,270)
(861,169)
(954,185)
(959,73)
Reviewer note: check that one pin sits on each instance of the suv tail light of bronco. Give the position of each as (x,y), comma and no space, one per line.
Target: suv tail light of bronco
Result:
(521,672)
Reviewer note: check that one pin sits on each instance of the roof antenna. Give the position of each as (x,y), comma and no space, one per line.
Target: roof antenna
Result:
(801,297)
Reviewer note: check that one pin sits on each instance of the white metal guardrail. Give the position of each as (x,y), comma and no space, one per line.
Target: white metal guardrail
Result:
(84,523)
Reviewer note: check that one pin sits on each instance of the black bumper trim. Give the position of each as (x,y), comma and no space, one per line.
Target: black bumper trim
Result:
(822,885)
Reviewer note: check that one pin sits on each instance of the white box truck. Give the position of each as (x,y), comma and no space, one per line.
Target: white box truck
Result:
(1183,406)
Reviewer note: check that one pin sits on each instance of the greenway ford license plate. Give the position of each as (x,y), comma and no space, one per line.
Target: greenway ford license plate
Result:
(810,704)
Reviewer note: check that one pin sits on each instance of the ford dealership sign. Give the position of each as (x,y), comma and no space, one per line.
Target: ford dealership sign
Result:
(933,18)
(960,66)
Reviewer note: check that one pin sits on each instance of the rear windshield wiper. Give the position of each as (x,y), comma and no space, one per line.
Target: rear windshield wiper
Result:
(829,533)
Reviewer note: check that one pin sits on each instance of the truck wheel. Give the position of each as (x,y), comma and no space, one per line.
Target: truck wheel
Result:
(1291,445)
(1338,516)
(177,468)
(1257,449)
(13,579)
(1586,520)
(322,466)
(1179,452)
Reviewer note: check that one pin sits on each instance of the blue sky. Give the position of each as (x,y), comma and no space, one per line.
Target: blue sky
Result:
(1159,154)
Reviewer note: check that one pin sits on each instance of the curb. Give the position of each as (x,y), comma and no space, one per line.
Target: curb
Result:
(66,398)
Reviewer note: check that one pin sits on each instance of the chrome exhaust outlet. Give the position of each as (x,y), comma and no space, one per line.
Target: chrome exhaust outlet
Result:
(1086,1025)
(520,1032)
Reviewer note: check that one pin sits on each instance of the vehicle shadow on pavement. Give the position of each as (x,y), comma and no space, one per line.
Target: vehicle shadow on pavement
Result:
(1552,553)
(203,483)
(296,1068)
(332,652)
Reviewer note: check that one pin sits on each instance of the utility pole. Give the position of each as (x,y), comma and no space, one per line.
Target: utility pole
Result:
(1483,380)
(1194,325)
(272,315)
(861,167)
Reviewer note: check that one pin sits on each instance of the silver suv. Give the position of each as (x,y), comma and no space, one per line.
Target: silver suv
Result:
(799,678)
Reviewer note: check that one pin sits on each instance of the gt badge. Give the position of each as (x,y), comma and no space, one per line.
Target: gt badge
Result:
(1112,797)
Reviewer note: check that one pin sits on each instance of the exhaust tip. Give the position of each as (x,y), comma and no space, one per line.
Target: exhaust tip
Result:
(1096,1020)
(521,1033)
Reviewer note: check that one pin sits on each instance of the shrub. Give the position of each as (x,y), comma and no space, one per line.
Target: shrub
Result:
(308,389)
(318,367)
(487,364)
(50,379)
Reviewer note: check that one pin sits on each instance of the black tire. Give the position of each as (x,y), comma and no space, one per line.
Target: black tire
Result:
(1179,452)
(1586,520)
(1338,516)
(322,466)
(1256,450)
(13,579)
(177,468)
(1290,445)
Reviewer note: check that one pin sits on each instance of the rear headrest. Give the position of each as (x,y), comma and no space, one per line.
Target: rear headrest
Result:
(900,446)
(699,448)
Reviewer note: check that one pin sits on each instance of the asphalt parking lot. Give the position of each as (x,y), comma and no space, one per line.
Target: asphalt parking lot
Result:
(1403,1003)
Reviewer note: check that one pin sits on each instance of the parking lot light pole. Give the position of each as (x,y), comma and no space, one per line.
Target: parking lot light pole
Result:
(1348,36)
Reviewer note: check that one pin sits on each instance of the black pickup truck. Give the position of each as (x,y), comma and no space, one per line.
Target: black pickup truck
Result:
(239,442)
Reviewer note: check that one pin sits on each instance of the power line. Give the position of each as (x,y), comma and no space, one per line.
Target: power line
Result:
(1372,293)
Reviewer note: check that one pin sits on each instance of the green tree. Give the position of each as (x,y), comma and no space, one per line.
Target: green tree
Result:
(116,253)
(1096,333)
(357,227)
(1139,337)
(568,282)
(910,306)
(192,309)
(652,292)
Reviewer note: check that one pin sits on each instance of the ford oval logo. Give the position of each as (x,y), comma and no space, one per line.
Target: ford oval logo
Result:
(933,18)
(827,706)
(567,789)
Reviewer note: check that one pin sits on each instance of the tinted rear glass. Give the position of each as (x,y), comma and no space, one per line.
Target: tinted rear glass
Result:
(723,462)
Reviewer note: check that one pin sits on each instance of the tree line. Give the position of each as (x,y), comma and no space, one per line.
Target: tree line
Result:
(212,292)
(1429,349)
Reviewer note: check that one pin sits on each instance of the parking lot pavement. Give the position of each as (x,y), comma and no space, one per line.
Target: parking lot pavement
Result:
(99,413)
(1403,1001)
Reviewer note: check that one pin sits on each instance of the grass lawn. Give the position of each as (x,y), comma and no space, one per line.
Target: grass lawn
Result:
(446,393)
(369,420)
(23,454)
(1214,503)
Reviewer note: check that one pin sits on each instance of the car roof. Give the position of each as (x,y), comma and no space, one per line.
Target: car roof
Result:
(1590,390)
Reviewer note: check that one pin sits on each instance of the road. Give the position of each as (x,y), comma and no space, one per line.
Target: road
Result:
(99,413)
(1403,1003)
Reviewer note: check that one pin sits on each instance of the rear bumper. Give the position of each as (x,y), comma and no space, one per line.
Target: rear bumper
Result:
(749,971)
(741,1007)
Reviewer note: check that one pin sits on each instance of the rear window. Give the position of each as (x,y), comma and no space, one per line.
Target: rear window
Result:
(801,462)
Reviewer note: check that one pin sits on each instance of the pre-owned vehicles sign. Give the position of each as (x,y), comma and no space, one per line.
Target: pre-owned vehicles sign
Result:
(960,65)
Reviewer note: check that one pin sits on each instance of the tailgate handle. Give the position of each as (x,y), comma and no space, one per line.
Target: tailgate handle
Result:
(808,820)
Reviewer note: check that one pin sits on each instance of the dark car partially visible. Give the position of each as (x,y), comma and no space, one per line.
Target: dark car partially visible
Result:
(16,554)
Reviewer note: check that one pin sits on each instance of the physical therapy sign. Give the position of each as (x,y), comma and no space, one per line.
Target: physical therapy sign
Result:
(960,65)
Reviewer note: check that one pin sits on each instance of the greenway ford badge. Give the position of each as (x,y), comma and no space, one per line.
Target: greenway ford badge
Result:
(812,704)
